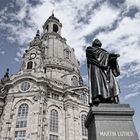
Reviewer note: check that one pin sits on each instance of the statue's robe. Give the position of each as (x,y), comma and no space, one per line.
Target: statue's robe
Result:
(102,76)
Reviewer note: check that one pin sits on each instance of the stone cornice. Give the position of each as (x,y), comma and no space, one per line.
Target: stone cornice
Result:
(53,34)
(61,64)
(70,104)
(21,77)
(77,88)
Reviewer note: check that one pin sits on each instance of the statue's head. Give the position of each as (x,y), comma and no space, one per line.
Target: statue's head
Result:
(96,43)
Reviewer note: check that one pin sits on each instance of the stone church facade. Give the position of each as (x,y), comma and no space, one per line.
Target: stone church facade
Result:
(46,99)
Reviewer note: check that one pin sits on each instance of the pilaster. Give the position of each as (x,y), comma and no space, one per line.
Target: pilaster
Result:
(70,120)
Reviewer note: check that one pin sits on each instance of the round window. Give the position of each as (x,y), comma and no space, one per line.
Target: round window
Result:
(25,86)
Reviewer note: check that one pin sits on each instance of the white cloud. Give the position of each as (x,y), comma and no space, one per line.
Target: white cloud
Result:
(67,12)
(2,52)
(24,6)
(132,88)
(135,3)
(131,95)
(101,18)
(124,39)
(17,59)
(21,52)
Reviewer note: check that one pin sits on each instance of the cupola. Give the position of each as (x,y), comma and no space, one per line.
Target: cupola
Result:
(52,25)
(36,41)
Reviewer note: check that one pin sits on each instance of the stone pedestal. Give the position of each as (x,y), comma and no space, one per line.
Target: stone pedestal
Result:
(111,122)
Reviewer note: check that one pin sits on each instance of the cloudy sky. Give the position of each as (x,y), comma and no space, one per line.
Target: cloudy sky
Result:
(115,22)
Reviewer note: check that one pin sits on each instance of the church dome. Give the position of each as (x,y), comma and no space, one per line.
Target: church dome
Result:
(52,17)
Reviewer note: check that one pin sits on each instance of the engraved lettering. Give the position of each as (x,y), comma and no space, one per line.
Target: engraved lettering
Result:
(118,133)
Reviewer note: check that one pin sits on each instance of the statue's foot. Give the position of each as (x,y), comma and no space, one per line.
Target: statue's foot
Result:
(116,100)
(96,101)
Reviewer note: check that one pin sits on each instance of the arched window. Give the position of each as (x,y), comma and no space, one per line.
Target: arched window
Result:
(30,65)
(84,130)
(22,116)
(44,69)
(67,53)
(20,135)
(83,98)
(74,81)
(54,121)
(53,137)
(47,27)
(55,28)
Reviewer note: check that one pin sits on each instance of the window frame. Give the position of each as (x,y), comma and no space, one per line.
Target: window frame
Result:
(22,116)
(54,123)
(25,86)
(29,65)
(55,96)
(55,28)
(55,137)
(84,129)
(67,53)
(74,81)
(23,135)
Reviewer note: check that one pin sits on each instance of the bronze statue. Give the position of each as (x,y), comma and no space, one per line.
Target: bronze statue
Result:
(102,70)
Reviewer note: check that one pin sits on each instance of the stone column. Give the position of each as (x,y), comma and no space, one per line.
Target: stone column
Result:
(70,120)
(6,118)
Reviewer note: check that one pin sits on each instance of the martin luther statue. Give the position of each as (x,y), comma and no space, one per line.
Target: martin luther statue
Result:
(102,70)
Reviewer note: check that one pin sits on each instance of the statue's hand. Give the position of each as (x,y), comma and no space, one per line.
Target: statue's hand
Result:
(113,56)
(118,55)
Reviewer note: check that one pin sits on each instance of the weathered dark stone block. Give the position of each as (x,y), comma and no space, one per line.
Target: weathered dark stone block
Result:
(111,122)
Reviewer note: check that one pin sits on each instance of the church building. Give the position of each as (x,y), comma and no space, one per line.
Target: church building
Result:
(46,99)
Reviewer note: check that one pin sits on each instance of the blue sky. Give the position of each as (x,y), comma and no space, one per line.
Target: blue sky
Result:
(114,22)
